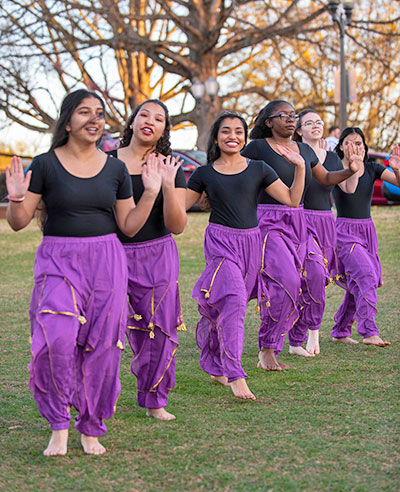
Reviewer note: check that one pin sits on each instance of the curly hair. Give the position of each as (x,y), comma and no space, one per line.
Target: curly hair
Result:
(260,129)
(213,151)
(163,145)
(296,137)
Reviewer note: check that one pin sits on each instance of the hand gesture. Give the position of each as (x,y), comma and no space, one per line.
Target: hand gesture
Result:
(323,144)
(394,159)
(292,156)
(17,183)
(169,168)
(151,174)
(355,155)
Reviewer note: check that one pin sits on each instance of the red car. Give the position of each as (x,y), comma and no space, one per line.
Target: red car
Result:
(377,196)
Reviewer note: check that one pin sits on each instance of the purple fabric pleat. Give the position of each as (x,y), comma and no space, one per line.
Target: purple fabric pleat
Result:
(284,237)
(78,311)
(222,292)
(154,317)
(360,274)
(320,268)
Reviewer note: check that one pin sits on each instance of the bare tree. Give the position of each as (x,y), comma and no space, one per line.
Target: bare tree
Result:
(129,50)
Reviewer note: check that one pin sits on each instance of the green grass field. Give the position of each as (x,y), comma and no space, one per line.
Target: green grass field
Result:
(330,425)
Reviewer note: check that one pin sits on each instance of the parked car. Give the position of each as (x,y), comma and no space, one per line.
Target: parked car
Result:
(192,159)
(377,197)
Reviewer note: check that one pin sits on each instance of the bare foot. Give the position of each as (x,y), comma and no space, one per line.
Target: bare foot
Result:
(375,340)
(221,380)
(344,340)
(58,443)
(299,351)
(267,360)
(313,342)
(91,445)
(241,390)
(285,366)
(160,414)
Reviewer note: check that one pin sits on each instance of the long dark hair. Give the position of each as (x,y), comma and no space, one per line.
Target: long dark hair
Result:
(163,145)
(345,133)
(260,129)
(213,151)
(70,103)
(296,137)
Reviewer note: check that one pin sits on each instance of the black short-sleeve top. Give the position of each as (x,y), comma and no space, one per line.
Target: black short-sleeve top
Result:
(317,197)
(358,204)
(233,197)
(261,149)
(154,227)
(79,207)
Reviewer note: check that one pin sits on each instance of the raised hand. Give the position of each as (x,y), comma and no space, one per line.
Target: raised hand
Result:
(292,156)
(17,183)
(151,173)
(323,144)
(394,159)
(169,168)
(355,155)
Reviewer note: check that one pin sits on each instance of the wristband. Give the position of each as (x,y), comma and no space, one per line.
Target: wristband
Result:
(15,200)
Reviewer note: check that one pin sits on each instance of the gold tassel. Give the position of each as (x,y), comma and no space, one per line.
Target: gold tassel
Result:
(182,327)
(151,334)
(325,262)
(82,320)
(137,317)
(268,304)
(120,345)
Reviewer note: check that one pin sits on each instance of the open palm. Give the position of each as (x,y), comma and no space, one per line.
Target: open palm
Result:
(17,183)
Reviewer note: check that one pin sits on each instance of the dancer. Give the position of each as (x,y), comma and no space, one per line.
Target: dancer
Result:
(321,260)
(232,244)
(283,229)
(153,262)
(79,296)
(357,242)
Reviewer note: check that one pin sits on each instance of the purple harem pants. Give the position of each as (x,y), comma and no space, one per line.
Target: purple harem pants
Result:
(154,317)
(320,268)
(361,275)
(78,313)
(284,237)
(222,292)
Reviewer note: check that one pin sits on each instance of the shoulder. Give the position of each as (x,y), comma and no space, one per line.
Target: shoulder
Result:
(42,161)
(333,161)
(307,152)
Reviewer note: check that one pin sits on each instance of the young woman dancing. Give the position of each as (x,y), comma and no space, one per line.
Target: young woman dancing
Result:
(321,259)
(232,244)
(153,262)
(79,297)
(357,242)
(283,230)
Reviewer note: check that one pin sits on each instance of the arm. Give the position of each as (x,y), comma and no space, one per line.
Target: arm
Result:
(279,191)
(131,218)
(394,163)
(191,198)
(20,213)
(174,198)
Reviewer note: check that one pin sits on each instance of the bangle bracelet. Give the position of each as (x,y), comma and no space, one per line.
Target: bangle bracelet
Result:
(16,200)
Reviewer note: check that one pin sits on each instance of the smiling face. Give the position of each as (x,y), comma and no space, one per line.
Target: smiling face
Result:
(284,125)
(311,127)
(87,121)
(149,124)
(231,137)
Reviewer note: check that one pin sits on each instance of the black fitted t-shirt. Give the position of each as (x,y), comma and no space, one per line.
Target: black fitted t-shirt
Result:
(358,204)
(79,207)
(317,197)
(154,227)
(261,149)
(233,197)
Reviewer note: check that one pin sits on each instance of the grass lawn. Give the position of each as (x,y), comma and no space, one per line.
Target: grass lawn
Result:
(330,425)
